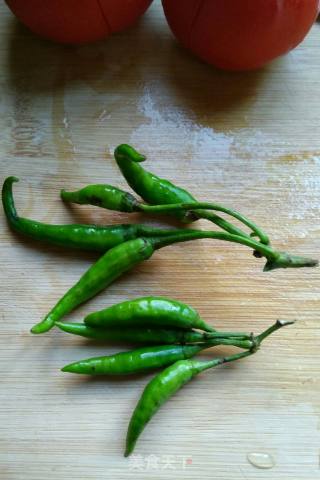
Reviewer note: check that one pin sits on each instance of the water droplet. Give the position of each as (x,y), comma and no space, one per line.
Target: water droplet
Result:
(261,460)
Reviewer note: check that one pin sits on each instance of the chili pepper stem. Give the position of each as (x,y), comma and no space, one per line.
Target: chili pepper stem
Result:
(220,222)
(285,260)
(274,258)
(256,340)
(222,334)
(200,366)
(276,326)
(233,342)
(195,206)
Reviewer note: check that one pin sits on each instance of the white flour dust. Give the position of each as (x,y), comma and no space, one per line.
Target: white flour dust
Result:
(173,129)
(245,165)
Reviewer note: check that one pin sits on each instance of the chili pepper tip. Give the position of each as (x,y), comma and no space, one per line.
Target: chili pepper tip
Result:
(12,179)
(126,151)
(43,326)
(67,368)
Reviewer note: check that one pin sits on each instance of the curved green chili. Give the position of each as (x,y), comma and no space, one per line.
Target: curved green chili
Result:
(148,312)
(275,259)
(105,196)
(162,387)
(170,380)
(127,255)
(159,191)
(112,198)
(155,336)
(91,237)
(150,187)
(134,361)
(87,237)
(144,359)
(110,266)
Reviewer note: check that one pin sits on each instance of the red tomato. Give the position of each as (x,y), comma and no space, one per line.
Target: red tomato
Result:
(77,21)
(240,34)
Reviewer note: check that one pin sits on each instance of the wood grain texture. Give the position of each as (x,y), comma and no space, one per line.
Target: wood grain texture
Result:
(251,141)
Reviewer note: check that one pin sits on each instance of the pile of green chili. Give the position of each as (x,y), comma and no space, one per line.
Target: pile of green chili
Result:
(170,333)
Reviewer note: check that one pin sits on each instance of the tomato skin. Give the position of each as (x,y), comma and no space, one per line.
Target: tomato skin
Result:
(77,21)
(240,34)
(120,14)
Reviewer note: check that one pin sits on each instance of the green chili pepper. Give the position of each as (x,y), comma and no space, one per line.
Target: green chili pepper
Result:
(159,191)
(156,336)
(170,380)
(134,361)
(148,312)
(150,187)
(91,237)
(147,358)
(162,387)
(127,255)
(112,198)
(101,274)
(105,196)
(87,237)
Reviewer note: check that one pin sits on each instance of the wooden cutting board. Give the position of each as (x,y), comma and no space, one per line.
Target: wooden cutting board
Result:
(250,141)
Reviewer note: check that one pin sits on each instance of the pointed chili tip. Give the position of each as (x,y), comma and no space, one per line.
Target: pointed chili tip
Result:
(35,330)
(43,326)
(127,452)
(125,152)
(7,188)
(68,368)
(11,179)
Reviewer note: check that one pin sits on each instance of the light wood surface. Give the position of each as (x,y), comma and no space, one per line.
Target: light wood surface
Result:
(250,141)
